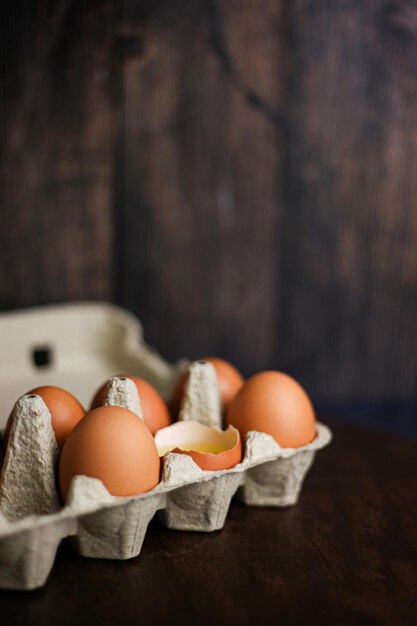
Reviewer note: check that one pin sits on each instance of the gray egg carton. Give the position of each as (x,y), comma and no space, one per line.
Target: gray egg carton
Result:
(32,521)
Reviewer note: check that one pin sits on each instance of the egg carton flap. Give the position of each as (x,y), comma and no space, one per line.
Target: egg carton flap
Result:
(75,346)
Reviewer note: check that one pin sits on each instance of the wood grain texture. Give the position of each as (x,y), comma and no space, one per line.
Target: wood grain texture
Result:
(199,184)
(56,152)
(268,198)
(238,173)
(346,554)
(349,246)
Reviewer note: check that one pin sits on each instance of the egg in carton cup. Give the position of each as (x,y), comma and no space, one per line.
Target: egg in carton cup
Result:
(32,522)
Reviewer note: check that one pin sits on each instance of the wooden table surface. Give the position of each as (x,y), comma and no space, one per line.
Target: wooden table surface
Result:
(346,554)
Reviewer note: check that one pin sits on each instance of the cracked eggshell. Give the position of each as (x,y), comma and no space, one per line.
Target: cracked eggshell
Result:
(276,404)
(155,411)
(229,379)
(114,445)
(209,447)
(66,411)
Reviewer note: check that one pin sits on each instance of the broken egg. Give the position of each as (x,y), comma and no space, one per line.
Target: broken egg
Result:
(276,404)
(66,411)
(210,447)
(114,445)
(155,411)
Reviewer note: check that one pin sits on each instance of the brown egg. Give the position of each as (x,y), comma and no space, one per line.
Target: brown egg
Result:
(210,447)
(155,411)
(229,378)
(65,411)
(274,403)
(113,444)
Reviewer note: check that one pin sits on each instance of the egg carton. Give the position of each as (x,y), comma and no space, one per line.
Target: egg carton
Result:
(32,521)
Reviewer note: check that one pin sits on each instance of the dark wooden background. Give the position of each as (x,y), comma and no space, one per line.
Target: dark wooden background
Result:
(241,174)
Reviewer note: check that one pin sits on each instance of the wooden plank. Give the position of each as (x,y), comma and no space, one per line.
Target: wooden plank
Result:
(348,328)
(257,162)
(56,152)
(267,199)
(199,194)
